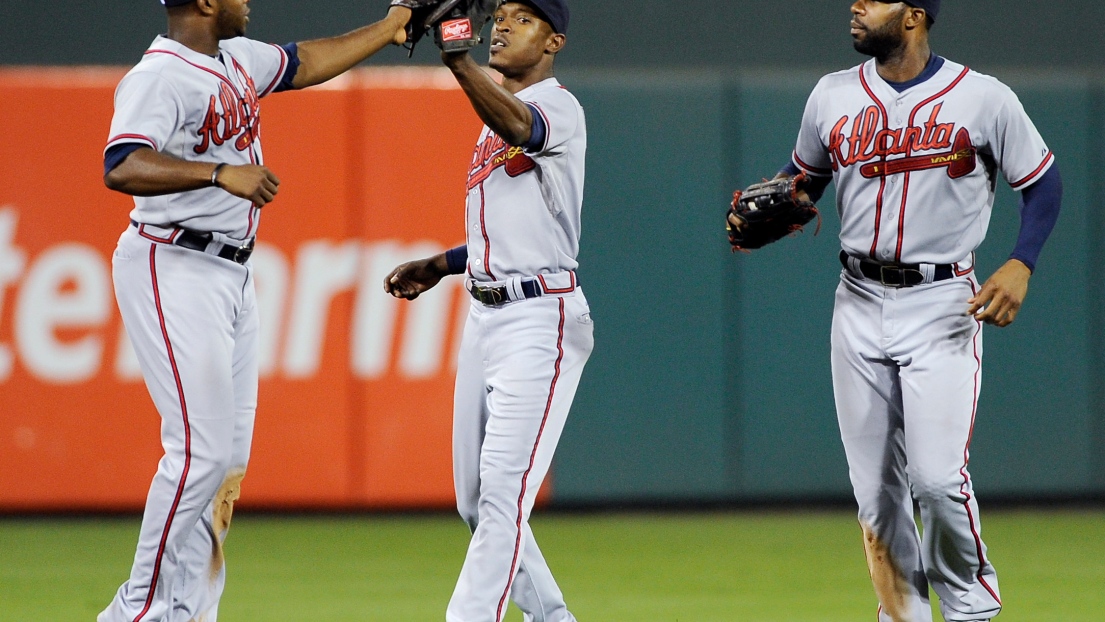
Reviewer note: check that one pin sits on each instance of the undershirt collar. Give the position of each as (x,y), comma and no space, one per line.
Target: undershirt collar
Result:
(934,65)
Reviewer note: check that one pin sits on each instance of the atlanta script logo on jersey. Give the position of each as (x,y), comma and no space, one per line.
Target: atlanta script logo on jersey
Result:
(868,142)
(231,115)
(493,153)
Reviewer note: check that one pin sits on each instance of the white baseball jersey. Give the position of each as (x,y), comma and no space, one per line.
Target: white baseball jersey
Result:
(523,210)
(915,171)
(156,104)
(519,363)
(191,316)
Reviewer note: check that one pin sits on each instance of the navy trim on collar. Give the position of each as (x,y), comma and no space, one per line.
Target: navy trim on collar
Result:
(935,64)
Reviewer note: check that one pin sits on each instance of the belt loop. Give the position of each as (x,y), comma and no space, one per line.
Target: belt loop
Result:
(514,286)
(928,272)
(854,266)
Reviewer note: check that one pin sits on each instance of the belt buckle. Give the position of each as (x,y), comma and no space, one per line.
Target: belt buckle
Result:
(901,275)
(489,296)
(242,253)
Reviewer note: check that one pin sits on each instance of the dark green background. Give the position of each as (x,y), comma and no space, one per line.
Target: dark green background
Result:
(710,378)
(603,33)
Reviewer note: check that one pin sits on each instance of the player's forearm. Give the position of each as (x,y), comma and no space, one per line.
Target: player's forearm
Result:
(323,59)
(148,173)
(1040,205)
(505,114)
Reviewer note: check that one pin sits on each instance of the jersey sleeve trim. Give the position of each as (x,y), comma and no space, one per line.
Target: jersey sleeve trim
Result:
(812,170)
(279,77)
(131,138)
(1034,175)
(548,128)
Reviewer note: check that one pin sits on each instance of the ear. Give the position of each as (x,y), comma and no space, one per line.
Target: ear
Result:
(555,43)
(207,7)
(915,18)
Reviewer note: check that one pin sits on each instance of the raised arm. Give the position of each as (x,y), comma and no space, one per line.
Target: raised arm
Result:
(323,59)
(505,114)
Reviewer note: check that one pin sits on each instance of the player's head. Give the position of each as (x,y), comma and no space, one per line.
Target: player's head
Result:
(880,28)
(527,34)
(228,18)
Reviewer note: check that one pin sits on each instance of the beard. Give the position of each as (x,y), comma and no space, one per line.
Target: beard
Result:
(884,41)
(230,25)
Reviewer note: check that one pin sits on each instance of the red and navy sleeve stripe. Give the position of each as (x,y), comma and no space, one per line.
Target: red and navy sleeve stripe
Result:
(1031,177)
(285,76)
(539,135)
(812,170)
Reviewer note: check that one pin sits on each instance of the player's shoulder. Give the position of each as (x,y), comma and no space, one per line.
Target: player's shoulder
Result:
(158,69)
(986,82)
(844,78)
(165,58)
(245,45)
(550,95)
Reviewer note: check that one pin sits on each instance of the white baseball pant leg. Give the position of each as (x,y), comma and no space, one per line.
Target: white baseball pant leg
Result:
(519,368)
(907,371)
(192,320)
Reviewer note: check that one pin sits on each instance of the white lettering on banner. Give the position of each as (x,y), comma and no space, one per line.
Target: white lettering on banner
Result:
(375,316)
(375,311)
(427,322)
(12,261)
(63,306)
(323,270)
(67,287)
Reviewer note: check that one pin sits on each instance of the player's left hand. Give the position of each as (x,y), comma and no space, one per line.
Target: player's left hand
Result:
(414,277)
(402,16)
(1001,295)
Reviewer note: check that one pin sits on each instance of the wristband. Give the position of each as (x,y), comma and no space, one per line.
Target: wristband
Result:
(215,174)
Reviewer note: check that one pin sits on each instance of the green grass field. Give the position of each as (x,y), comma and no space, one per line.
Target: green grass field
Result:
(637,567)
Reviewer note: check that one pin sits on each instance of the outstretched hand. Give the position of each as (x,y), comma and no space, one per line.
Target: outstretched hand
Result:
(414,277)
(1001,295)
(249,181)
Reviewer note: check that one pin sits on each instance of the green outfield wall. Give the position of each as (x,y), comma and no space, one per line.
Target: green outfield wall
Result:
(710,377)
(603,33)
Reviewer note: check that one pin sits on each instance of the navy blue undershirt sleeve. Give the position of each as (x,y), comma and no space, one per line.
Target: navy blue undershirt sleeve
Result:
(457,258)
(537,133)
(293,68)
(115,155)
(816,185)
(1040,205)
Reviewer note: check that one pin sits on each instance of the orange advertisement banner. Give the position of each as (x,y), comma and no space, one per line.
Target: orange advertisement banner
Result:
(356,387)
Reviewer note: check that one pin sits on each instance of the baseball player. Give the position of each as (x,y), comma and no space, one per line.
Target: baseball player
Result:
(914,144)
(529,332)
(185,141)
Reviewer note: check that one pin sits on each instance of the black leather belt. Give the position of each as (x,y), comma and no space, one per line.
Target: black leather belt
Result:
(898,275)
(500,295)
(200,241)
(494,296)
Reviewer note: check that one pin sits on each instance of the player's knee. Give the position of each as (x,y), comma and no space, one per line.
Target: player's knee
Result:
(935,487)
(469,513)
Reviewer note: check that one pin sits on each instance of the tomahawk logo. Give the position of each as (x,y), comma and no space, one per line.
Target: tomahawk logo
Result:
(960,161)
(456,30)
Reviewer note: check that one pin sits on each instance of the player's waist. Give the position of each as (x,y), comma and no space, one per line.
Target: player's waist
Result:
(899,274)
(498,293)
(212,243)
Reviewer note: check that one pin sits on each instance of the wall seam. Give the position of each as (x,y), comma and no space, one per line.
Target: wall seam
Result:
(734,433)
(1097,284)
